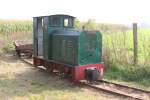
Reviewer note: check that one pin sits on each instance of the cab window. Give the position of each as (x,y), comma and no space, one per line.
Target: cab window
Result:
(55,21)
(68,22)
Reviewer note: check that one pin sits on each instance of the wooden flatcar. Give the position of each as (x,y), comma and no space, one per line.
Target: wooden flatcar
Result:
(23,48)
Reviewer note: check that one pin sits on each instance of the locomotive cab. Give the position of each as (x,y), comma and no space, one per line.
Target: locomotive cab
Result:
(63,21)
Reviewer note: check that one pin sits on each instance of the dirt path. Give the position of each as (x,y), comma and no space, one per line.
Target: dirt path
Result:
(1,44)
(19,81)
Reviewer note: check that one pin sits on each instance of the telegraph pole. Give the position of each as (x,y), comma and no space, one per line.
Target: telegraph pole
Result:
(135,43)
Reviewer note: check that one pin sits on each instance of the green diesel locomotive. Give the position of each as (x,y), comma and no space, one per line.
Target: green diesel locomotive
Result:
(59,46)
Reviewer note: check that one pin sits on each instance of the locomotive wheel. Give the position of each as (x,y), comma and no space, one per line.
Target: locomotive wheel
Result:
(18,53)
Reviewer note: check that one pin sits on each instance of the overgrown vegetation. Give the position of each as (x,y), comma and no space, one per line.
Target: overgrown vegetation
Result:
(11,30)
(15,26)
(8,46)
(120,46)
(129,73)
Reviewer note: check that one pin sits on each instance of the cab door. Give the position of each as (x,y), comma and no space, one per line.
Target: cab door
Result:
(40,36)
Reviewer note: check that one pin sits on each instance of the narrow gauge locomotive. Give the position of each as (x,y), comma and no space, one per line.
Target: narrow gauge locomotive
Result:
(58,46)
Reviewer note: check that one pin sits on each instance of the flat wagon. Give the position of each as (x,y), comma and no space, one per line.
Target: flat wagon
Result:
(23,48)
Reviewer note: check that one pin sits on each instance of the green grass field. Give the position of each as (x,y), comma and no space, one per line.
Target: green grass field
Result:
(120,46)
(15,26)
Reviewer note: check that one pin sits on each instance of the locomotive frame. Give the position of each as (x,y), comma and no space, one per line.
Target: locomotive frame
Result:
(45,28)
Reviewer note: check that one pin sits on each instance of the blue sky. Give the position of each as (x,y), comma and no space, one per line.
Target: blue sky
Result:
(108,11)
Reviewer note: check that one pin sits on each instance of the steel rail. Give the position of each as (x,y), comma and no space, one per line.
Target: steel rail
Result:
(26,61)
(111,91)
(124,86)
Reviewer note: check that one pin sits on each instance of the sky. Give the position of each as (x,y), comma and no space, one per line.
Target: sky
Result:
(103,11)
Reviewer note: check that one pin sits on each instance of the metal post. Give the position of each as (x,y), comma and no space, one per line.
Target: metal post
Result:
(135,43)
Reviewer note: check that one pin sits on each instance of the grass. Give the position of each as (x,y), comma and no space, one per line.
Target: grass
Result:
(15,26)
(120,45)
(129,73)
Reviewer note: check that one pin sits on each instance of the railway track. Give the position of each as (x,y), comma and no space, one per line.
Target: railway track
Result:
(124,91)
(130,93)
(28,61)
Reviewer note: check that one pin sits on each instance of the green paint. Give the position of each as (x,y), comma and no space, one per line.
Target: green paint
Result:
(67,45)
(90,47)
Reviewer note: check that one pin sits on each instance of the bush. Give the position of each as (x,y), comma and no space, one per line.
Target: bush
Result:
(128,72)
(8,47)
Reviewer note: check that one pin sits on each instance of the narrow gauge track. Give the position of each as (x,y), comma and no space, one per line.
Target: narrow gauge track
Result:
(120,90)
(28,61)
(125,86)
(113,88)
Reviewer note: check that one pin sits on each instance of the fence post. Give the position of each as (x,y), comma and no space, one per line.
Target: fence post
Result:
(135,43)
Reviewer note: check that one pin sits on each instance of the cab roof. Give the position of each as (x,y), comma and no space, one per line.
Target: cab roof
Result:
(55,15)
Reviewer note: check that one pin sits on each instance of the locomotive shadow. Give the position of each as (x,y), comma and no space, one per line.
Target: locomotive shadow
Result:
(27,80)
